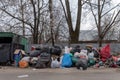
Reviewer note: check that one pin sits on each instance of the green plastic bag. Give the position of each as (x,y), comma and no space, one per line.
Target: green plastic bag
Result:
(74,59)
(91,62)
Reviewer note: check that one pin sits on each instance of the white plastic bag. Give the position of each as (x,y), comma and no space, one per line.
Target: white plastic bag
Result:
(55,64)
(26,59)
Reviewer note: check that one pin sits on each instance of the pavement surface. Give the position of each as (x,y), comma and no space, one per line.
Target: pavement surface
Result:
(11,73)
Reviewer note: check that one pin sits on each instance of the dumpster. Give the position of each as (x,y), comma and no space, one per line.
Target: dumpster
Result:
(9,42)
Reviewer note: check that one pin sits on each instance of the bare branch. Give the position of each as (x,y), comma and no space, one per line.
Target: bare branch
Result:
(109,26)
(93,14)
(110,10)
(64,11)
(16,17)
(102,7)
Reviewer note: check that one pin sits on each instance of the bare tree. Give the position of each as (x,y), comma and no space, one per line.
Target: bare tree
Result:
(74,34)
(100,11)
(30,17)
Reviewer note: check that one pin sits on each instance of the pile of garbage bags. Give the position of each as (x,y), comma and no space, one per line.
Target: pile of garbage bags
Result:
(40,57)
(53,57)
(90,57)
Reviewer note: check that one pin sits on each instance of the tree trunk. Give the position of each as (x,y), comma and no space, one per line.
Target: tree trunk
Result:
(35,37)
(74,38)
(99,25)
(100,43)
(22,13)
(74,35)
(51,21)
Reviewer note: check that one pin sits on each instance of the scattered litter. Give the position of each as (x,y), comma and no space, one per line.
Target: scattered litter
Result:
(23,76)
(34,69)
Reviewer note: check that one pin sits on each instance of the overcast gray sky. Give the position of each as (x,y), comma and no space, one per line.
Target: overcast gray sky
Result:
(85,24)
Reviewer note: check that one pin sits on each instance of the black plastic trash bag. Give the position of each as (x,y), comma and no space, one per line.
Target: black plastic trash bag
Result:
(45,57)
(96,53)
(39,50)
(75,49)
(35,53)
(56,50)
(40,65)
(118,63)
(82,63)
(45,48)
(44,60)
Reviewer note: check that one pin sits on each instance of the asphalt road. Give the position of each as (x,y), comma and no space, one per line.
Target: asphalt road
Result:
(59,74)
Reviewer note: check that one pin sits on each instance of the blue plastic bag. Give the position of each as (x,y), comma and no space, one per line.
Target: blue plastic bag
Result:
(66,61)
(17,58)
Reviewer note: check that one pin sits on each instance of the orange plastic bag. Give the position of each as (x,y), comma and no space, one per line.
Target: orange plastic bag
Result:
(23,64)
